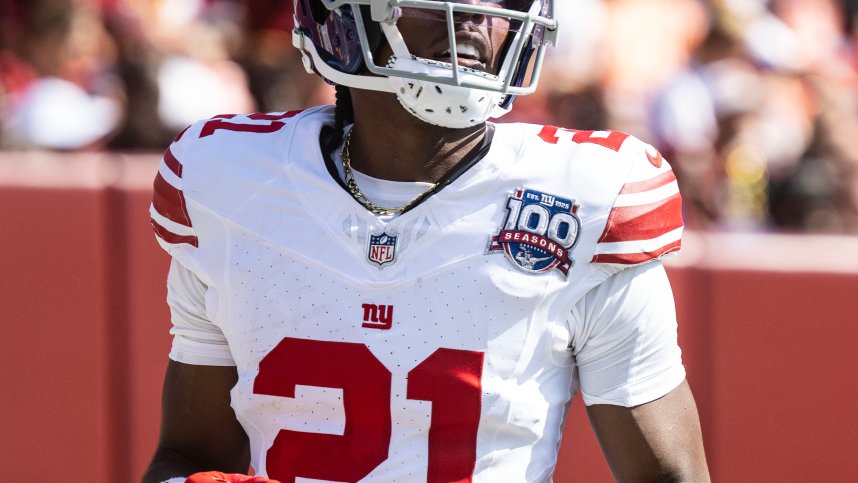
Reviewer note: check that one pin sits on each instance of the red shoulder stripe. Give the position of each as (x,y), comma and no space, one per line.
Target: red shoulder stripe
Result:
(171,237)
(635,258)
(172,163)
(169,201)
(182,133)
(649,184)
(644,222)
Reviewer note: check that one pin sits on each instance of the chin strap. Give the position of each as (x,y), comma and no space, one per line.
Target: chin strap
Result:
(444,105)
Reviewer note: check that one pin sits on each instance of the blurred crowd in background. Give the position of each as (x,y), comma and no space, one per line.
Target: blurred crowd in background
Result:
(754,102)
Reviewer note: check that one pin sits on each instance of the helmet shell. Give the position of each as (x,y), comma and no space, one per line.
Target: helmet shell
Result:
(339,40)
(334,34)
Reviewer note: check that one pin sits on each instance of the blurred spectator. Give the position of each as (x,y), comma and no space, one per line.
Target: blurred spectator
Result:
(136,66)
(747,122)
(275,71)
(62,94)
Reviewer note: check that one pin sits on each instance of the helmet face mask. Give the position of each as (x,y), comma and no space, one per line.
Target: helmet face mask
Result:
(341,40)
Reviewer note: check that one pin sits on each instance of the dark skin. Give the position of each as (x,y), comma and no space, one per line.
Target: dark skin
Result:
(655,442)
(659,441)
(413,151)
(199,431)
(390,143)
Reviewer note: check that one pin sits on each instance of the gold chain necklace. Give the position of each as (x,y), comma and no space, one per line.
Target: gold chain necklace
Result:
(361,198)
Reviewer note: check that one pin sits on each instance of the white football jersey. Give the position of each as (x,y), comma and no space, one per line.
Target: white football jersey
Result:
(440,345)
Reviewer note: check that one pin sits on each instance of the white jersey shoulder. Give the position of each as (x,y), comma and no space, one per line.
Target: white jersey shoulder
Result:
(626,193)
(210,170)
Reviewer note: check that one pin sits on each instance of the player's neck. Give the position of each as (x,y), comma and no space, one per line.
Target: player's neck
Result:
(389,143)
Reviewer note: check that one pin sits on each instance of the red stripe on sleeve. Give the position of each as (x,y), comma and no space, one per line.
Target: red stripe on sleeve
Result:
(173,163)
(182,133)
(171,237)
(649,184)
(170,202)
(644,222)
(636,258)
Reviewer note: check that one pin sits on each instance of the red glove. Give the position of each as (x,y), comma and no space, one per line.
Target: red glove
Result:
(218,477)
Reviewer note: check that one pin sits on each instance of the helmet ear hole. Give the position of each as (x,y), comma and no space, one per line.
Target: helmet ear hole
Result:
(317,11)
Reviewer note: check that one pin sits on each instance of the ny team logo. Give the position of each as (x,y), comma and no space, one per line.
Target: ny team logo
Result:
(539,232)
(382,249)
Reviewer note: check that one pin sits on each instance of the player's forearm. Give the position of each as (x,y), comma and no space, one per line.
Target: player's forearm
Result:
(168,464)
(696,477)
(691,474)
(694,471)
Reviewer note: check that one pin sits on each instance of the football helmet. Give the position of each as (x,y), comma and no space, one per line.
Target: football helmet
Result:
(341,39)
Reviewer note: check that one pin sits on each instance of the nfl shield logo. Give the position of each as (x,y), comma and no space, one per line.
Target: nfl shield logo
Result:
(382,249)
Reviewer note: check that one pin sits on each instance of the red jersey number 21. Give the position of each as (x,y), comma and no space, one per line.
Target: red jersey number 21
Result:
(450,379)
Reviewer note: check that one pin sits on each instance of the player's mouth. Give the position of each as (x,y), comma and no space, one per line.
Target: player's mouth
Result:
(470,52)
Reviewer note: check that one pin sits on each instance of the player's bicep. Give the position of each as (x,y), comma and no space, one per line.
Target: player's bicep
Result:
(198,425)
(656,441)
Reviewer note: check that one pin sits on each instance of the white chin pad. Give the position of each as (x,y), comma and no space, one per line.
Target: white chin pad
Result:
(443,105)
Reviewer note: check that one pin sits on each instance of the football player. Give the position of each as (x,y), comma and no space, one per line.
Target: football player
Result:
(394,289)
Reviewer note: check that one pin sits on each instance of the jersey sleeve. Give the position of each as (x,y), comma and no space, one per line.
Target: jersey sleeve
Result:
(625,338)
(168,212)
(645,221)
(196,340)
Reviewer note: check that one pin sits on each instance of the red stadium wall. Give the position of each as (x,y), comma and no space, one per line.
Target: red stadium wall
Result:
(769,327)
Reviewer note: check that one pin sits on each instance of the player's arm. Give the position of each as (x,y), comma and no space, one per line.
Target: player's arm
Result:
(659,441)
(199,431)
(633,381)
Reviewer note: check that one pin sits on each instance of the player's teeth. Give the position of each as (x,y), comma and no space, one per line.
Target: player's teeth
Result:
(467,50)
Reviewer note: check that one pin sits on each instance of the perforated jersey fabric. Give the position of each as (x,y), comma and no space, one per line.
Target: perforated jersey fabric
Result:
(438,345)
